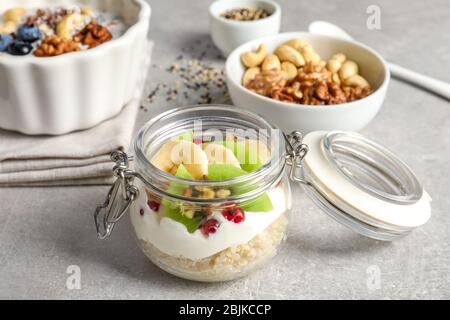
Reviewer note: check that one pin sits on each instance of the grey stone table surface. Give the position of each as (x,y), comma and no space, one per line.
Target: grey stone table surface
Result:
(43,231)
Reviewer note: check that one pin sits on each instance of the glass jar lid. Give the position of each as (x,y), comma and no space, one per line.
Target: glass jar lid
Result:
(362,185)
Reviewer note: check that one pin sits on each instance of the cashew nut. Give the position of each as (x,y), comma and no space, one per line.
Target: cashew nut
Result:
(271,62)
(289,70)
(8,27)
(310,54)
(335,78)
(307,51)
(14,14)
(86,11)
(356,81)
(336,61)
(287,53)
(250,74)
(334,65)
(312,57)
(297,44)
(66,27)
(339,57)
(348,69)
(253,59)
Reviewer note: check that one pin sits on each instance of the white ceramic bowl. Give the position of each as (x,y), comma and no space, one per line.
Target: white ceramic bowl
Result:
(351,116)
(77,90)
(229,34)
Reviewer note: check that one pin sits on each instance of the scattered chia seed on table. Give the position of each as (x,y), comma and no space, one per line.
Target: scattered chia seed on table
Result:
(197,81)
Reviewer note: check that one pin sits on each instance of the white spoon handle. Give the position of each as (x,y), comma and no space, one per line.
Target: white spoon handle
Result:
(439,87)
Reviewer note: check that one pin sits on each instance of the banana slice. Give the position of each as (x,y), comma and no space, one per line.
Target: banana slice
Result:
(162,160)
(8,27)
(260,148)
(192,157)
(14,14)
(68,25)
(220,154)
(86,11)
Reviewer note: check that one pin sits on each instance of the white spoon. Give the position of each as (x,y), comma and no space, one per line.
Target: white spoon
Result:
(439,87)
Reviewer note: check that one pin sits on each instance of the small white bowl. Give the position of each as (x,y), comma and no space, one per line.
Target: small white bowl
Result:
(229,34)
(352,116)
(78,90)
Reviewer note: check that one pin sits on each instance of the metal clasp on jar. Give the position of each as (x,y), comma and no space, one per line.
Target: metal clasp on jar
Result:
(296,150)
(119,198)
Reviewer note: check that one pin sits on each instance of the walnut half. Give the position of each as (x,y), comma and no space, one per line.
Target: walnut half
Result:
(93,35)
(266,82)
(55,46)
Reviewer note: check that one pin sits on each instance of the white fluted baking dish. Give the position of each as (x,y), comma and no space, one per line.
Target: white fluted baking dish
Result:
(76,90)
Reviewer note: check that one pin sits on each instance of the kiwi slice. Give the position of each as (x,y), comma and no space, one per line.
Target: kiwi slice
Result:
(248,157)
(173,210)
(186,136)
(226,171)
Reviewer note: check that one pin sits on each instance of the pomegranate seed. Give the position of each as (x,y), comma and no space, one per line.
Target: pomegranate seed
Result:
(210,226)
(141,212)
(239,218)
(228,214)
(235,214)
(153,205)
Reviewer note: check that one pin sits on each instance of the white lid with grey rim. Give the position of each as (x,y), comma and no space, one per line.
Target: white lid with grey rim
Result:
(362,185)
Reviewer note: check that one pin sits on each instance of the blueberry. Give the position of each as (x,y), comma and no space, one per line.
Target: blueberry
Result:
(28,33)
(5,41)
(19,48)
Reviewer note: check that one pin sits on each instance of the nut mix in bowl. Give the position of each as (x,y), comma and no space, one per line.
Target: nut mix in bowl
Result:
(302,92)
(69,65)
(295,72)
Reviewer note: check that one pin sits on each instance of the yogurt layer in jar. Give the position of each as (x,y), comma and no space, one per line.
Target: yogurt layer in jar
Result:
(216,208)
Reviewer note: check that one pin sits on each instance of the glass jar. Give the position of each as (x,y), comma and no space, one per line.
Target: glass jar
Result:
(186,233)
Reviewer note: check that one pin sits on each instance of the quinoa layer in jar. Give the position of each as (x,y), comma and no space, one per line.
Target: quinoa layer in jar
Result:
(216,208)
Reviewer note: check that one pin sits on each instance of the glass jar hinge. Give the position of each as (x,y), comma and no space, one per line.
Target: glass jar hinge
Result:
(120,196)
(296,150)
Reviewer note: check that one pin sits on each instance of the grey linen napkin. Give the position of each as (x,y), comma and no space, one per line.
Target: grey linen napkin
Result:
(73,159)
(77,158)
